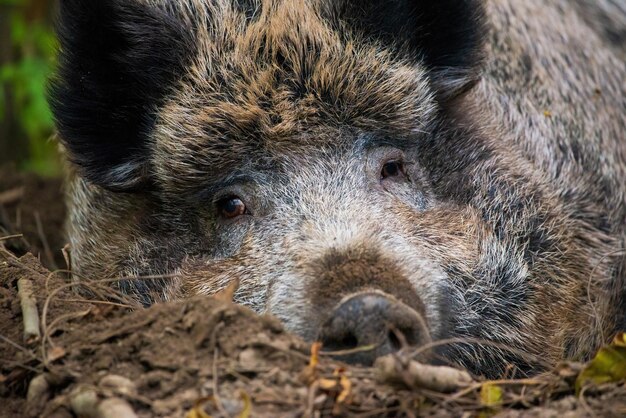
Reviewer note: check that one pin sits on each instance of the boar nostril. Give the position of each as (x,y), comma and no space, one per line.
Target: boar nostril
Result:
(373,322)
(346,342)
(394,340)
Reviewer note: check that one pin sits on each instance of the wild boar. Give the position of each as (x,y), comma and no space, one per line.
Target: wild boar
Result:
(373,172)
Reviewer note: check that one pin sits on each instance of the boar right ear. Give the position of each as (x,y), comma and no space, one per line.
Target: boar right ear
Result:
(446,36)
(118,60)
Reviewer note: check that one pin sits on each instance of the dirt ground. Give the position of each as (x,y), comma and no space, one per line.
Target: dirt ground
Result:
(32,206)
(103,356)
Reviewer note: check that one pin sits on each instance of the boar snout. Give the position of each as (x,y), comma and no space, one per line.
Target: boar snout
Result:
(371,318)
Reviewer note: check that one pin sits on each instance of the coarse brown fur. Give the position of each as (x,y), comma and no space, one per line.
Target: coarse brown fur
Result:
(506,225)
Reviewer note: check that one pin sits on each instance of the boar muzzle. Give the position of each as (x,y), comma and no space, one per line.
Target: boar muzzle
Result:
(374,321)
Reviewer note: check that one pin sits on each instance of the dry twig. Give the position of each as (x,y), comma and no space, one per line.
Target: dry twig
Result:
(11,196)
(30,314)
(393,369)
(216,397)
(44,242)
(8,237)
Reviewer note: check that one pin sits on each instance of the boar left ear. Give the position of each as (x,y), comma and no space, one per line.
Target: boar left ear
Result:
(447,36)
(118,61)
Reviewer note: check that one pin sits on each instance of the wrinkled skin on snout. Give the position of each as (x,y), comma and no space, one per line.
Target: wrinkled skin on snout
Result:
(374,173)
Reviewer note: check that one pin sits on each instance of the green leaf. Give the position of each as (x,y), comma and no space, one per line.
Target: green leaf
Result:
(609,365)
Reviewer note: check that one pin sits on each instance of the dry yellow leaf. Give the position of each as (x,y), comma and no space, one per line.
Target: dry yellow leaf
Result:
(198,408)
(247,405)
(609,364)
(327,384)
(490,395)
(315,354)
(346,389)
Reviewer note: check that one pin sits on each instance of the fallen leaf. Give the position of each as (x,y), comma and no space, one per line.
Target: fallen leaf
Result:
(227,294)
(346,389)
(327,384)
(609,365)
(198,408)
(315,354)
(56,353)
(247,405)
(344,383)
(490,395)
(309,374)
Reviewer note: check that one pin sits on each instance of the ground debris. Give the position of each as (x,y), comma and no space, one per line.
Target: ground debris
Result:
(209,357)
(213,358)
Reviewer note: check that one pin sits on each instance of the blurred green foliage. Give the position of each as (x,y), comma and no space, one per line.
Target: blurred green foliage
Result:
(33,59)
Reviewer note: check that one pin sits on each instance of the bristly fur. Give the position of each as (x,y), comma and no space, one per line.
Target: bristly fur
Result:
(507,223)
(447,35)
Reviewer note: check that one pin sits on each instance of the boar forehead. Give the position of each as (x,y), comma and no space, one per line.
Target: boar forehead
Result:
(282,83)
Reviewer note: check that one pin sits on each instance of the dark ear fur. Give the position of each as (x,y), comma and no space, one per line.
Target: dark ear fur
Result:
(447,35)
(117,60)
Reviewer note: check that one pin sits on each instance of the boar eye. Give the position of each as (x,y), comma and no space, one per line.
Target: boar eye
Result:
(392,169)
(231,207)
